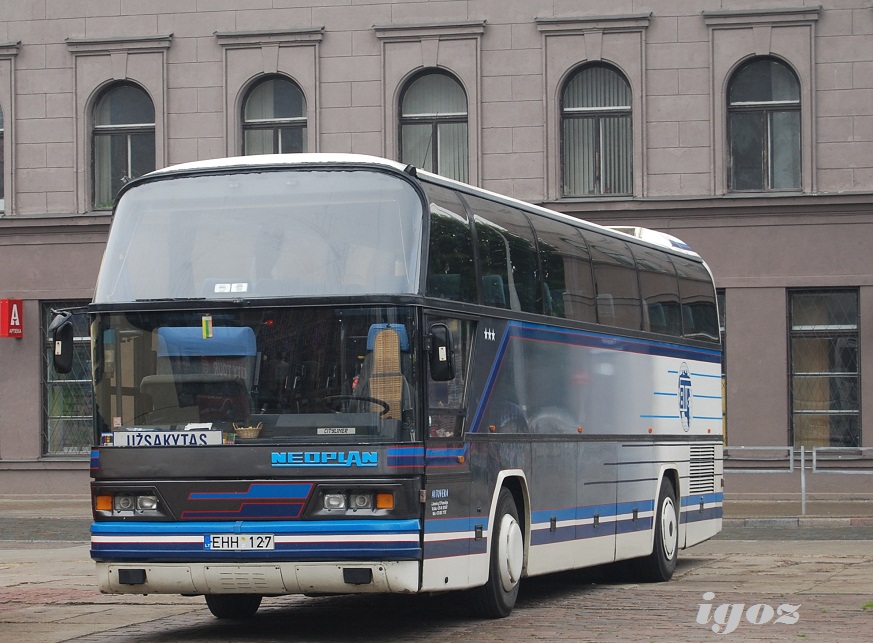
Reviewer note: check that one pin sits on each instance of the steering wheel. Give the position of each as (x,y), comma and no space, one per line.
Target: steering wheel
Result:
(339,403)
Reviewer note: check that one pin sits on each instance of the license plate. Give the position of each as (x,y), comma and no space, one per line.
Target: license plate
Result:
(239,541)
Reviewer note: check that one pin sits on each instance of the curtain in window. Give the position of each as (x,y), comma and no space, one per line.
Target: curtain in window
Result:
(433,126)
(274,118)
(123,140)
(452,149)
(597,134)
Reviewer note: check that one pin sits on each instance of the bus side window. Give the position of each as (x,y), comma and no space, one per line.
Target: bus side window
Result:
(451,272)
(507,256)
(699,310)
(660,292)
(567,281)
(447,400)
(618,296)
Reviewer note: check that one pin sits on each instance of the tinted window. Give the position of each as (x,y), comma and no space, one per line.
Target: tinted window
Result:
(699,311)
(507,256)
(451,272)
(566,263)
(660,290)
(616,278)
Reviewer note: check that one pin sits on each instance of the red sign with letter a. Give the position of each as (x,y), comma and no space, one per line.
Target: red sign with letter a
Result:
(11,318)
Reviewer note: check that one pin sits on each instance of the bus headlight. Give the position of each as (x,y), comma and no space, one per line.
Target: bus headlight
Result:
(334,501)
(146,503)
(360,501)
(124,502)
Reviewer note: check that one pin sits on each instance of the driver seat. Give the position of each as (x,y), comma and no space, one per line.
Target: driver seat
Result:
(384,379)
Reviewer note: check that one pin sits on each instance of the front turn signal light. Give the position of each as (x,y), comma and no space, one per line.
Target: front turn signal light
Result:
(384,501)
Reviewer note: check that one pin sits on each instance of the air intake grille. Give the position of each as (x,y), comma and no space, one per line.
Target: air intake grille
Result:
(702,470)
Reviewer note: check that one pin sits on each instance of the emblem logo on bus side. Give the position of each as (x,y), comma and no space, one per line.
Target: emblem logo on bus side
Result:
(685,397)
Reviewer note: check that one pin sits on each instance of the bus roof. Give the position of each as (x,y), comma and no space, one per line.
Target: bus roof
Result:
(278,160)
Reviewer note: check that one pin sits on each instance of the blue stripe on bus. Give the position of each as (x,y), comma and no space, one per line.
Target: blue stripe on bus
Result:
(309,527)
(467,544)
(694,500)
(452,525)
(453,548)
(695,515)
(345,546)
(527,330)
(405,457)
(259,491)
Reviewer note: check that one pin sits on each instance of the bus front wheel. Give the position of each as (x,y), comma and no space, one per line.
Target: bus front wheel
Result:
(661,563)
(496,598)
(233,606)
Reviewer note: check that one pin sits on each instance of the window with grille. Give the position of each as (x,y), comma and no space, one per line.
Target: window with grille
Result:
(764,127)
(433,125)
(67,399)
(824,368)
(123,140)
(274,118)
(596,133)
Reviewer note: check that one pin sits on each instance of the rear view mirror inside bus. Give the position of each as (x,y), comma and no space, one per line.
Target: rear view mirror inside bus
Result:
(61,332)
(442,354)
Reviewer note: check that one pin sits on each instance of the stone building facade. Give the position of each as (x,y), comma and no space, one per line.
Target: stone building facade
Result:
(743,128)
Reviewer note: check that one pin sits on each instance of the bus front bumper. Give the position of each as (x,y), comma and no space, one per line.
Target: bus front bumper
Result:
(259,578)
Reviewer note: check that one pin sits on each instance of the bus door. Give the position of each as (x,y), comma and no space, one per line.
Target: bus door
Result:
(450,529)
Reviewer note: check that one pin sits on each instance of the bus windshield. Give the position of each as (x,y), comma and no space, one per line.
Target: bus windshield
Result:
(267,233)
(301,374)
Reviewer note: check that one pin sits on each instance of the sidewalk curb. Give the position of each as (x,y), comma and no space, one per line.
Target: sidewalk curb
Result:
(798,522)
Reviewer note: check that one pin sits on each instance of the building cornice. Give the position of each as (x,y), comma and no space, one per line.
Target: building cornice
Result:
(103,45)
(747,17)
(444,30)
(572,25)
(287,37)
(740,208)
(9,49)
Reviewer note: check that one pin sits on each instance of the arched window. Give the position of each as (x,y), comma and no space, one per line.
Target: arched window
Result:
(596,133)
(764,127)
(2,193)
(433,125)
(123,140)
(274,118)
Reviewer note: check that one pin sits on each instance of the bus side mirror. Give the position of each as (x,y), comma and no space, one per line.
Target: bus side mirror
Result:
(61,332)
(442,353)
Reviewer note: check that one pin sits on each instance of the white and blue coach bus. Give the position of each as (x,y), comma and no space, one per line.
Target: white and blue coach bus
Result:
(337,374)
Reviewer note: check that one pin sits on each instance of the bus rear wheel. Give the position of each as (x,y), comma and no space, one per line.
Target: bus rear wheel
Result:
(496,598)
(659,566)
(233,606)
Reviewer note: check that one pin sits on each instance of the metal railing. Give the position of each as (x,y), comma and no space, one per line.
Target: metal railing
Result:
(833,460)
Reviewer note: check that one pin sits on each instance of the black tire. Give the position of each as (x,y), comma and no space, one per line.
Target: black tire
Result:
(233,606)
(496,598)
(659,566)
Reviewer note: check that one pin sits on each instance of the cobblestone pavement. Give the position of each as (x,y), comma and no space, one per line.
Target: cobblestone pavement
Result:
(830,583)
(815,575)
